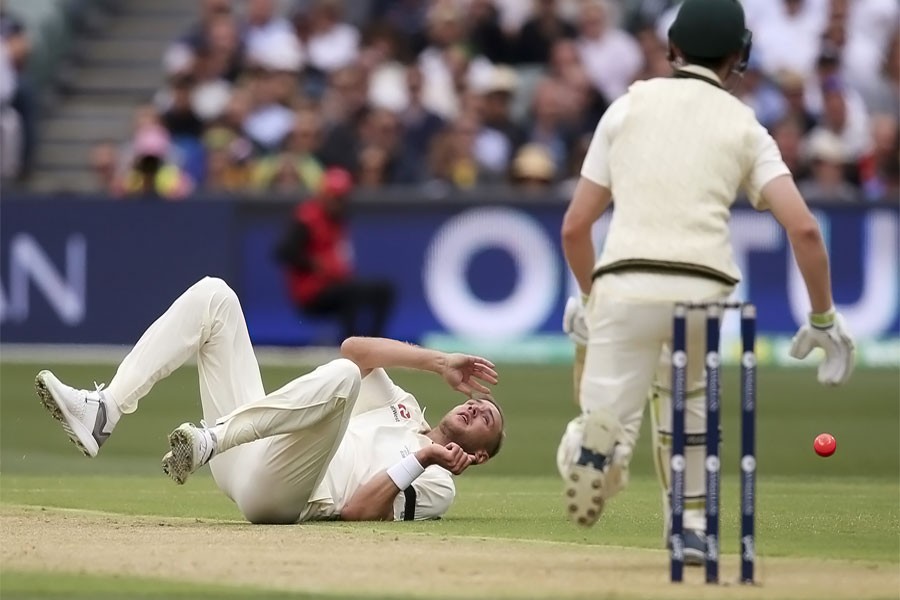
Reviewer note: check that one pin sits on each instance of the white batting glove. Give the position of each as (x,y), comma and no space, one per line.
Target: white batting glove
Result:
(828,332)
(574,322)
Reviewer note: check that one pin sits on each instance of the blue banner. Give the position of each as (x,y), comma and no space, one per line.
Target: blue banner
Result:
(99,272)
(95,271)
(497,272)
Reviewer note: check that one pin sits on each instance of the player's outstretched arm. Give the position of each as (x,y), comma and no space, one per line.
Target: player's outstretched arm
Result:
(787,205)
(825,328)
(464,373)
(374,500)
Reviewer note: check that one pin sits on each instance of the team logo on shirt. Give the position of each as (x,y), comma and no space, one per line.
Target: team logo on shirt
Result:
(400,411)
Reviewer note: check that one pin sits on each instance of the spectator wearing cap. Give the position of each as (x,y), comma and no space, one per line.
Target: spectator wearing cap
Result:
(151,176)
(533,169)
(500,136)
(541,32)
(827,182)
(611,57)
(315,253)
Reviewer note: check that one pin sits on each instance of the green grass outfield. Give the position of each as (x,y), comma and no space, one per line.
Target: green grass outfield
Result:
(846,507)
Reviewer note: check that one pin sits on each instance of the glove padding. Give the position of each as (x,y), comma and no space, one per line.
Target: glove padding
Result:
(837,344)
(574,322)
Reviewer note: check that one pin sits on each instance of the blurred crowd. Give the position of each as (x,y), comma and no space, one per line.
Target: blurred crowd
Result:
(17,108)
(263,96)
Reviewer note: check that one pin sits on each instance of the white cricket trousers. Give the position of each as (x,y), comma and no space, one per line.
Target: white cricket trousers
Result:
(628,356)
(273,449)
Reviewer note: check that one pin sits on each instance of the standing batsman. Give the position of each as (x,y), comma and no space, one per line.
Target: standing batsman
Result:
(674,154)
(342,442)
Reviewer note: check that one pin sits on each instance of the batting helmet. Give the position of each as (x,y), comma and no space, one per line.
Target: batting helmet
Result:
(711,29)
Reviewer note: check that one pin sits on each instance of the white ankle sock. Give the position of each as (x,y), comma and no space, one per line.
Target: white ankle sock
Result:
(113,412)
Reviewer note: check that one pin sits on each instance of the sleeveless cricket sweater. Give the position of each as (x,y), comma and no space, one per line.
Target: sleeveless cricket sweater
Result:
(679,150)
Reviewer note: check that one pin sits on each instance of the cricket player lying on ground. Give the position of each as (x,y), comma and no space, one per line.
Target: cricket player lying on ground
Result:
(341,442)
(672,155)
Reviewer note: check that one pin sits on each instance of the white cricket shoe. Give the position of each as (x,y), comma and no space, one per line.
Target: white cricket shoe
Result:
(191,447)
(84,414)
(595,477)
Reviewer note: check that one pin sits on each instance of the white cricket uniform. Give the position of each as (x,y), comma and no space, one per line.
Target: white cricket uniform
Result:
(387,424)
(275,449)
(674,152)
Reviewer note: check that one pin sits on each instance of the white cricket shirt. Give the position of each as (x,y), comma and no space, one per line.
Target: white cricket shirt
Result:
(386,425)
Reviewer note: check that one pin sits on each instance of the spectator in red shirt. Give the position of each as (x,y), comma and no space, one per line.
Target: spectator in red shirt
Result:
(316,255)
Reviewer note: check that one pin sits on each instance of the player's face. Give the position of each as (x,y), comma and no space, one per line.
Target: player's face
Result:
(475,425)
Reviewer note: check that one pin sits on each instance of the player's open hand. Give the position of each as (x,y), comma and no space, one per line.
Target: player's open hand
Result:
(469,374)
(451,457)
(831,335)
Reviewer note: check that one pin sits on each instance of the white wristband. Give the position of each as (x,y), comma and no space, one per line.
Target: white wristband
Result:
(406,471)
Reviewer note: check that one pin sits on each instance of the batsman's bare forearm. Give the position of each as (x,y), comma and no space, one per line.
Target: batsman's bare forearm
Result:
(579,251)
(381,353)
(805,237)
(588,204)
(812,259)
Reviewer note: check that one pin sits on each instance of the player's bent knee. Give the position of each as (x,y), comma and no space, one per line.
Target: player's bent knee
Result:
(345,370)
(214,287)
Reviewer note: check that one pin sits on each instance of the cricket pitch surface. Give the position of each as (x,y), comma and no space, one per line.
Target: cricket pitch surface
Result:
(335,559)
